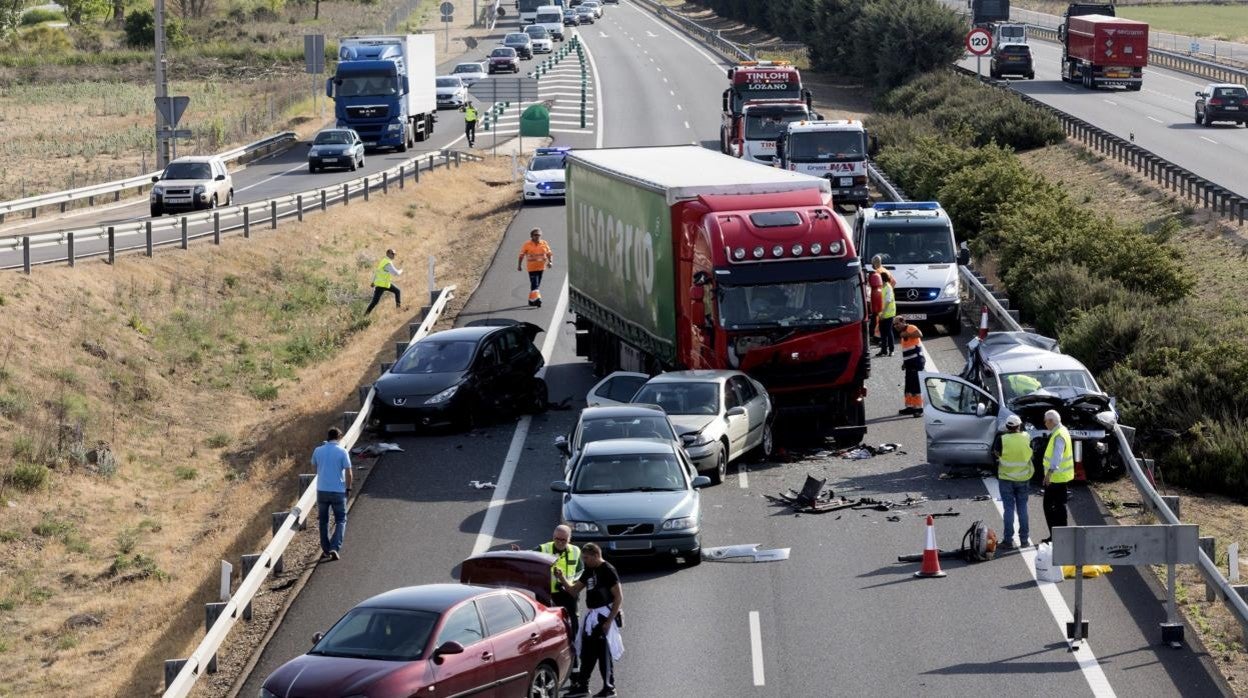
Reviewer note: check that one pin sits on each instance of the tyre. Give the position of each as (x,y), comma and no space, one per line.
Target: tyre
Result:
(212,204)
(694,559)
(311,168)
(156,212)
(229,198)
(351,167)
(468,419)
(767,446)
(1031,76)
(403,140)
(1208,121)
(361,162)
(1199,118)
(544,682)
(721,466)
(539,399)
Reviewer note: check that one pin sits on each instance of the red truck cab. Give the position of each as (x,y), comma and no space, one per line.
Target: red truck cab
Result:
(773,91)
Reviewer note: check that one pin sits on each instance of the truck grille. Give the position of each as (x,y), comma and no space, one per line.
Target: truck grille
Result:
(379,111)
(644,529)
(788,375)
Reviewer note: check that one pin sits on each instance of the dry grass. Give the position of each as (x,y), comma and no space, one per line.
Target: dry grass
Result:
(208,372)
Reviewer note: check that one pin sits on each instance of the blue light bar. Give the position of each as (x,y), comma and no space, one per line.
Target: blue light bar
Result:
(907,206)
(553,151)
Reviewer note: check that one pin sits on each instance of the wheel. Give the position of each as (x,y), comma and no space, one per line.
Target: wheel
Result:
(212,204)
(545,683)
(361,162)
(1208,121)
(694,559)
(1199,119)
(156,212)
(539,398)
(403,142)
(229,198)
(721,466)
(469,418)
(351,167)
(994,75)
(311,168)
(767,446)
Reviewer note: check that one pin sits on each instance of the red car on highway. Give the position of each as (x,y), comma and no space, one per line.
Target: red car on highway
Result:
(441,640)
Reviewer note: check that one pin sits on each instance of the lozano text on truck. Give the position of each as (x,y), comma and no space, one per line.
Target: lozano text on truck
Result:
(682,258)
(763,97)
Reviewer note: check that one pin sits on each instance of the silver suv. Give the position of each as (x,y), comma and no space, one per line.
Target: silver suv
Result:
(191,184)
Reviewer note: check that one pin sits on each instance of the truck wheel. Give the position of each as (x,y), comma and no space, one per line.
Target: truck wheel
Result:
(403,143)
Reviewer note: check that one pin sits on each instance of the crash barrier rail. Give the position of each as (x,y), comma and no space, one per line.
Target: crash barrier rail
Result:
(1226,203)
(142,235)
(220,617)
(713,38)
(62,199)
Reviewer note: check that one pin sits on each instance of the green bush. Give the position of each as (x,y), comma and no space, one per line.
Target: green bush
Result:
(45,39)
(1064,293)
(39,15)
(140,30)
(28,477)
(972,194)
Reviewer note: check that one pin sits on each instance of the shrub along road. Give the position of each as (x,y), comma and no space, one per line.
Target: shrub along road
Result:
(840,617)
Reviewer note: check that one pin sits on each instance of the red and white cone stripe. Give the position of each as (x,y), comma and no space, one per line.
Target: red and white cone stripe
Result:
(983,324)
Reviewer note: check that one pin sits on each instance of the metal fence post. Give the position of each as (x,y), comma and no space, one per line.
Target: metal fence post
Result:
(112,244)
(212,611)
(279,518)
(362,393)
(366,188)
(173,667)
(385,366)
(324,203)
(299,206)
(246,221)
(401,169)
(26,253)
(399,348)
(348,418)
(385,182)
(433,285)
(147,233)
(346,194)
(1209,545)
(273,215)
(69,243)
(416,173)
(216,227)
(248,564)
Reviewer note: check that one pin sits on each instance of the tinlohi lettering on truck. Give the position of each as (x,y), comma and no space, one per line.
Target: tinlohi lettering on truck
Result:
(625,248)
(762,77)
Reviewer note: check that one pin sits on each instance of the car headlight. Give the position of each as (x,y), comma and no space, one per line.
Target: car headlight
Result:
(681,524)
(583,526)
(442,396)
(951,289)
(700,439)
(199,189)
(394,127)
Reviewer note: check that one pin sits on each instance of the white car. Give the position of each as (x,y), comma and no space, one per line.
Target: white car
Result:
(452,92)
(190,184)
(542,42)
(544,180)
(470,73)
(551,17)
(596,6)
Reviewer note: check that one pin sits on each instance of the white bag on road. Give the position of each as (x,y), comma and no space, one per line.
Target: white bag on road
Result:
(1046,571)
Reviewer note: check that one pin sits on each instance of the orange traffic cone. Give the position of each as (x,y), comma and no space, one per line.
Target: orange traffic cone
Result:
(983,324)
(931,555)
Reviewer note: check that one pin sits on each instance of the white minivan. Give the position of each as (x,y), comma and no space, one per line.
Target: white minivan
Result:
(914,239)
(551,18)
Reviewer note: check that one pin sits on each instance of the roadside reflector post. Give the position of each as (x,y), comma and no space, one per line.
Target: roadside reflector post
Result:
(246,221)
(279,517)
(273,215)
(184,238)
(248,564)
(212,611)
(216,227)
(69,242)
(147,232)
(112,244)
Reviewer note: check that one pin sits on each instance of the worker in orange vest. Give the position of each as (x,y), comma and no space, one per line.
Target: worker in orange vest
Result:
(912,361)
(537,258)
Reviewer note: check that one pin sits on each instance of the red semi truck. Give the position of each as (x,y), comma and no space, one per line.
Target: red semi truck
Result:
(683,258)
(763,97)
(1103,51)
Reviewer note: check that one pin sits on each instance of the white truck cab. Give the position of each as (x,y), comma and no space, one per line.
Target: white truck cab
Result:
(551,17)
(836,150)
(915,241)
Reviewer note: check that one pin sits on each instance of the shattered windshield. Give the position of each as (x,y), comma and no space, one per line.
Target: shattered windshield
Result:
(827,303)
(1016,385)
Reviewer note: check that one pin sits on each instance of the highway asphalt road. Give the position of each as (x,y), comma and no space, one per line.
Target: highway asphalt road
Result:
(841,616)
(1160,116)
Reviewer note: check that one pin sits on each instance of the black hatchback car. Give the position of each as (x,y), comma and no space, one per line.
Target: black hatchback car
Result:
(1222,102)
(460,376)
(1012,59)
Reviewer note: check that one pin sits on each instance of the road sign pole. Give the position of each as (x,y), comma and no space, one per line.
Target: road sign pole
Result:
(979,68)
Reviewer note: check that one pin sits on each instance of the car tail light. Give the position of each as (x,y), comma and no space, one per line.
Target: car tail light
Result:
(1215,102)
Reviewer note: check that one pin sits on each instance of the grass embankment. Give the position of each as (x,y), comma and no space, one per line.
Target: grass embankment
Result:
(153,413)
(1225,21)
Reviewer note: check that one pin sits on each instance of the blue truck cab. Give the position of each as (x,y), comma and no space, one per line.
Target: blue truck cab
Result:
(385,88)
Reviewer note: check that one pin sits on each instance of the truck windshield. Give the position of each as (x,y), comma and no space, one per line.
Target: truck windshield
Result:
(832,302)
(911,244)
(826,146)
(367,86)
(766,125)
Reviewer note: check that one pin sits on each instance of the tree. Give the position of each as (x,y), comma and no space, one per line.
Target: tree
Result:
(79,11)
(10,15)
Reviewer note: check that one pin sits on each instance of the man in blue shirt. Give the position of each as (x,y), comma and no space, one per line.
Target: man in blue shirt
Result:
(333,484)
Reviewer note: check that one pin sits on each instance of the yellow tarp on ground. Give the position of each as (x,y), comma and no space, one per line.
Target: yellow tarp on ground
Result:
(1089,571)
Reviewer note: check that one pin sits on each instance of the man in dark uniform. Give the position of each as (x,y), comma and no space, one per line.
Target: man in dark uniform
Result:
(599,635)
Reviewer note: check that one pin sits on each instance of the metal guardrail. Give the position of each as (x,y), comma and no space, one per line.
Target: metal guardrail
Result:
(713,38)
(1226,203)
(141,235)
(64,198)
(203,659)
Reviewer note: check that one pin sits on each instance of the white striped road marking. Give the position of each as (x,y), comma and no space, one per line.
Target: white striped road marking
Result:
(756,648)
(1110,102)
(743,475)
(1153,118)
(1206,138)
(679,36)
(679,108)
(593,68)
(686,124)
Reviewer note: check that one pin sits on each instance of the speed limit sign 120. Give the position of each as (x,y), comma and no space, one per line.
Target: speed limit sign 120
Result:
(979,41)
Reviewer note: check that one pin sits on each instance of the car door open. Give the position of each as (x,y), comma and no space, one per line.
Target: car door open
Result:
(960,421)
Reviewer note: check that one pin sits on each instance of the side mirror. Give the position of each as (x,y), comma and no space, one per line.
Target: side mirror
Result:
(560,486)
(450,647)
(724,99)
(155,178)
(317,637)
(1107,419)
(1199,93)
(737,411)
(219,178)
(561,444)
(700,481)
(981,409)
(874,144)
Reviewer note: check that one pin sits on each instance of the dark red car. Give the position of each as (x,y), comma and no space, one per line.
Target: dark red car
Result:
(441,640)
(504,59)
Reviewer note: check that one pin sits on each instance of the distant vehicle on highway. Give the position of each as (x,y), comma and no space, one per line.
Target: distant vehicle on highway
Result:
(585,14)
(1012,59)
(452,92)
(1024,374)
(192,183)
(544,180)
(521,42)
(385,87)
(635,497)
(571,18)
(1222,102)
(457,639)
(336,147)
(542,41)
(470,73)
(596,5)
(456,376)
(614,422)
(550,17)
(720,415)
(504,59)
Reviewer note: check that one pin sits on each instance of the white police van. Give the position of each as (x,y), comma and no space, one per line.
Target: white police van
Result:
(914,239)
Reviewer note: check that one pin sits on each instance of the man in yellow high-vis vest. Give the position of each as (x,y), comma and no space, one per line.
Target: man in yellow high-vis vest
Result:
(470,123)
(1014,471)
(383,281)
(1059,469)
(888,311)
(568,561)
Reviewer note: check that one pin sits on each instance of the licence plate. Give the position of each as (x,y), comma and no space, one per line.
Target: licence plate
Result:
(631,545)
(178,200)
(329,159)
(370,142)
(1232,108)
(847,181)
(914,316)
(1087,434)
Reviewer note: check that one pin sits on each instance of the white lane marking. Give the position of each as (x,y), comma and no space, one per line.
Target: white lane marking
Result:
(301,166)
(686,124)
(1206,138)
(672,92)
(1070,88)
(743,476)
(756,648)
(602,33)
(1062,615)
(1110,102)
(593,68)
(664,79)
(1153,118)
(718,65)
(658,69)
(485,539)
(651,35)
(679,108)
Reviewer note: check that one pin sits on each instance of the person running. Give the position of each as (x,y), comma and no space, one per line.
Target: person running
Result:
(383,281)
(537,257)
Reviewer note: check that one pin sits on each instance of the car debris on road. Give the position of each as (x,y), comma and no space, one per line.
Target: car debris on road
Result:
(478,485)
(375,449)
(749,550)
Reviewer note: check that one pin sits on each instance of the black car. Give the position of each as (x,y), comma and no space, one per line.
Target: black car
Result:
(459,376)
(570,18)
(1222,102)
(1012,59)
